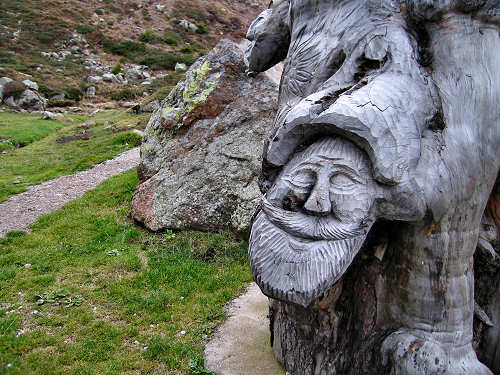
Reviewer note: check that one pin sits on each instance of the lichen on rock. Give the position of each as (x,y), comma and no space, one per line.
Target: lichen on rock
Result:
(202,149)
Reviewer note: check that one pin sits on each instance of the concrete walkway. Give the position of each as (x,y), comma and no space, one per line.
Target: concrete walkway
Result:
(22,210)
(241,345)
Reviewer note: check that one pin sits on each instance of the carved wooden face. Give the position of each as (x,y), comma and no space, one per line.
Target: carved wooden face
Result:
(330,178)
(313,221)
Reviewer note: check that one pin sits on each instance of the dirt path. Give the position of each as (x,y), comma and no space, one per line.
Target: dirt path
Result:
(22,210)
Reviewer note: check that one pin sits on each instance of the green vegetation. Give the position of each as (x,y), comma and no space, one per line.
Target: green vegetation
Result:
(167,60)
(84,29)
(19,131)
(171,38)
(154,58)
(186,48)
(129,49)
(117,69)
(202,28)
(125,94)
(57,148)
(81,308)
(148,37)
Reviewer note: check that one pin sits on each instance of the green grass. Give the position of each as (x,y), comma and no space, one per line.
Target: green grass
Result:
(46,158)
(20,130)
(139,290)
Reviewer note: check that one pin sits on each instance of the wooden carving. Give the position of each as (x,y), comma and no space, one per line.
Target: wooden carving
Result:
(385,150)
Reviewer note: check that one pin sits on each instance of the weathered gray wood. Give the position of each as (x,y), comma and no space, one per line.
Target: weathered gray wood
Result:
(411,89)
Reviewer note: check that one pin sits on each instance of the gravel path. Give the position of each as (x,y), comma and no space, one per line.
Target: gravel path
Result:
(22,210)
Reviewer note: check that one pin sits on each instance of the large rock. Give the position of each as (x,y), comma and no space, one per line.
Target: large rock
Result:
(202,149)
(3,81)
(31,101)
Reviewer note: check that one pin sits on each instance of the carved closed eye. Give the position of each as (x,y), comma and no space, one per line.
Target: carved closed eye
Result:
(343,182)
(303,181)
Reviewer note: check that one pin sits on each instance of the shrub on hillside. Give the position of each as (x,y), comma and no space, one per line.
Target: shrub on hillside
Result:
(60,103)
(128,48)
(14,89)
(186,48)
(84,29)
(148,37)
(74,94)
(171,38)
(47,91)
(201,28)
(124,94)
(129,138)
(117,69)
(166,60)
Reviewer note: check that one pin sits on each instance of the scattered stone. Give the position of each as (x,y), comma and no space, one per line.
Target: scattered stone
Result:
(121,78)
(202,149)
(180,67)
(30,84)
(134,74)
(95,112)
(46,115)
(110,77)
(90,91)
(94,79)
(58,97)
(188,26)
(88,125)
(128,104)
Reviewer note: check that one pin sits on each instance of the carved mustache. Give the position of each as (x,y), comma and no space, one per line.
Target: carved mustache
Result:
(311,227)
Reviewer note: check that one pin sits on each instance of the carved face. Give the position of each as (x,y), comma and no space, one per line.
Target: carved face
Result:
(313,221)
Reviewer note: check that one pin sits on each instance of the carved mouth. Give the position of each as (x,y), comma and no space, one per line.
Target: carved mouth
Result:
(311,227)
(296,269)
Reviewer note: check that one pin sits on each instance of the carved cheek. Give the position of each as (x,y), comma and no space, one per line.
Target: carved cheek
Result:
(352,207)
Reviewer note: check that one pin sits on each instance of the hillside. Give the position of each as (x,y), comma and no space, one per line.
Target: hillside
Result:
(61,43)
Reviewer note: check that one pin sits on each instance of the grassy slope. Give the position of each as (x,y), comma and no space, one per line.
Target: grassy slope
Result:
(19,131)
(46,159)
(157,287)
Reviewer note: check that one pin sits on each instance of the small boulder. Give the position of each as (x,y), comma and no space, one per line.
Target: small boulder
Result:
(134,74)
(188,26)
(180,67)
(94,79)
(46,115)
(30,84)
(110,77)
(60,96)
(90,91)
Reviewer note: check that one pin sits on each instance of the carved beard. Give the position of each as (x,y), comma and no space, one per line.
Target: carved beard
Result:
(296,257)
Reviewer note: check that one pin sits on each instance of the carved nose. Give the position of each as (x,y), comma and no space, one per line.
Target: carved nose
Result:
(319,201)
